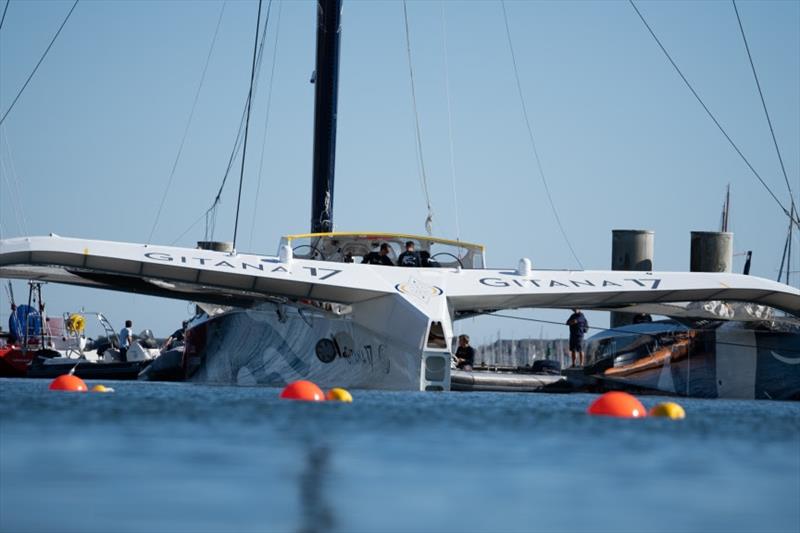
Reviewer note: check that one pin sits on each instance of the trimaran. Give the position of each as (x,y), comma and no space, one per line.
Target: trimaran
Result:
(308,313)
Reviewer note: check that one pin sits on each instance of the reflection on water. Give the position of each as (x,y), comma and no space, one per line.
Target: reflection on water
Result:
(316,511)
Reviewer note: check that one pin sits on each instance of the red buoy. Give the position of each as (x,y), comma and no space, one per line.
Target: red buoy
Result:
(619,404)
(303,390)
(68,382)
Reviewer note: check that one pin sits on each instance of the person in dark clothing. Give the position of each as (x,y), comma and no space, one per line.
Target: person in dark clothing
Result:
(409,258)
(176,338)
(12,318)
(379,258)
(642,318)
(465,354)
(578,326)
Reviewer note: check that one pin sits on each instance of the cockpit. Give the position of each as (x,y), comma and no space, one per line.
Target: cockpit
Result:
(355,247)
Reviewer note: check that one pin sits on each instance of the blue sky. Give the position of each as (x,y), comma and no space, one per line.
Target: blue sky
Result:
(623,143)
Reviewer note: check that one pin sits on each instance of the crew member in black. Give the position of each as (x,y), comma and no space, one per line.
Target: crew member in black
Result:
(381,258)
(409,258)
(465,354)
(578,326)
(176,338)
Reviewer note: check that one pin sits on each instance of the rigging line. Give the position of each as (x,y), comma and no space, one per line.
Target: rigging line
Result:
(39,62)
(187,230)
(238,141)
(713,118)
(420,158)
(16,203)
(533,141)
(188,122)
(628,331)
(247,124)
(3,18)
(15,206)
(763,102)
(15,182)
(450,121)
(266,122)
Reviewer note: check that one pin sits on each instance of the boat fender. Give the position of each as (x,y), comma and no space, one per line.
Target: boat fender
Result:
(524,267)
(285,254)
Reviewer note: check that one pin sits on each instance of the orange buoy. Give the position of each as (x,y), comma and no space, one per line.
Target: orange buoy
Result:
(619,404)
(303,390)
(68,382)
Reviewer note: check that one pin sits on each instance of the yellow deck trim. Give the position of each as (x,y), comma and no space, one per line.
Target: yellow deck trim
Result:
(450,242)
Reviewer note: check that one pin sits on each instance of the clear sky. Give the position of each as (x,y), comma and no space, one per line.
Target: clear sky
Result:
(88,149)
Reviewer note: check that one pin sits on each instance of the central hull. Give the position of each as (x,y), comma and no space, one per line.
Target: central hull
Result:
(273,345)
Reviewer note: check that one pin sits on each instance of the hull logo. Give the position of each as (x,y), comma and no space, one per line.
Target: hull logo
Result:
(419,290)
(787,360)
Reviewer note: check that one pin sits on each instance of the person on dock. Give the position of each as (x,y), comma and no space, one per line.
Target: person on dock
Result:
(125,340)
(409,258)
(578,326)
(465,354)
(379,258)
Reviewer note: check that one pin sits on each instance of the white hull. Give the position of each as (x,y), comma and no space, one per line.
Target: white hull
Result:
(263,346)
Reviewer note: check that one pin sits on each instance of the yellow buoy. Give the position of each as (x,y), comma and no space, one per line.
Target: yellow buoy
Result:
(669,410)
(339,395)
(102,388)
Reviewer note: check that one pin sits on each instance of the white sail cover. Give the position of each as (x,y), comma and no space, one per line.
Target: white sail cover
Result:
(246,279)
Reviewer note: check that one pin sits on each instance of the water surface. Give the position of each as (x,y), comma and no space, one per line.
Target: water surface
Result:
(182,457)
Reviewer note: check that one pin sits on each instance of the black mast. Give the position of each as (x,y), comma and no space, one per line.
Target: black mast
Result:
(326,79)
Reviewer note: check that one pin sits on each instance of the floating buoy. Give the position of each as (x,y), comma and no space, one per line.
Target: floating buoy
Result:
(68,382)
(669,410)
(619,404)
(339,395)
(102,388)
(302,390)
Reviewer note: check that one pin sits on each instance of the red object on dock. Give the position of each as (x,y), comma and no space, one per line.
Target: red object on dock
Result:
(619,404)
(68,382)
(303,390)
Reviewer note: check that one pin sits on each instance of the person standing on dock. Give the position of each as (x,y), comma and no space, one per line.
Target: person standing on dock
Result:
(465,354)
(578,326)
(125,340)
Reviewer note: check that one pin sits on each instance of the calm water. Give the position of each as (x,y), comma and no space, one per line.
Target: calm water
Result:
(180,457)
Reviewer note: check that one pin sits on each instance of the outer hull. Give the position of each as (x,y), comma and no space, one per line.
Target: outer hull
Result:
(723,363)
(272,345)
